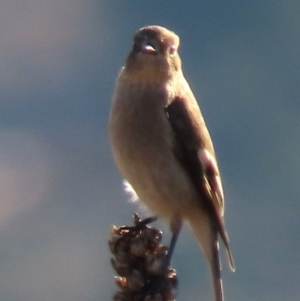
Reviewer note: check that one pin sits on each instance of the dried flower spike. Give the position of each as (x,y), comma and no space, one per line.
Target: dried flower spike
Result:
(140,261)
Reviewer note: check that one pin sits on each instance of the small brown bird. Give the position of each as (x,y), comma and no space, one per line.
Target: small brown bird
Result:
(161,144)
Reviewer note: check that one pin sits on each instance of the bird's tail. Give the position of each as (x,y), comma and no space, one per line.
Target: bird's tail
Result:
(215,265)
(207,236)
(230,257)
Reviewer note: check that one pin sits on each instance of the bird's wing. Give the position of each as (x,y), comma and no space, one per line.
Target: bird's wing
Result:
(193,148)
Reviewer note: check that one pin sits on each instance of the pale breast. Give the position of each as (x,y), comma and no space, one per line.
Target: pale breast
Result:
(142,142)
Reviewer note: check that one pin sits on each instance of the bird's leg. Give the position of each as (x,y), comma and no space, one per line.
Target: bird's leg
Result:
(176,225)
(158,283)
(171,250)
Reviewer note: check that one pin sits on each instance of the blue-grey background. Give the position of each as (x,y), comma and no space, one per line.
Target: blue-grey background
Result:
(60,191)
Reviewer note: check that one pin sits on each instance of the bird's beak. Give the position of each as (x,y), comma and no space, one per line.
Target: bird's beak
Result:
(147,47)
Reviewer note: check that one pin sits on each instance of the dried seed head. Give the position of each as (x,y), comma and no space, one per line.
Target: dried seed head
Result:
(156,261)
(140,261)
(123,296)
(118,241)
(135,281)
(122,264)
(138,246)
(156,297)
(171,289)
(153,236)
(121,282)
(154,265)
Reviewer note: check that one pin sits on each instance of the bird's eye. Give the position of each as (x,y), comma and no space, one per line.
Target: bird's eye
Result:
(172,50)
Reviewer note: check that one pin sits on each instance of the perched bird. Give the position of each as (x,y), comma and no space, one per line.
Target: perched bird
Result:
(161,144)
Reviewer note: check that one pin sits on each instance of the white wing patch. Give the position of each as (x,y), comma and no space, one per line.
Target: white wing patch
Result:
(213,179)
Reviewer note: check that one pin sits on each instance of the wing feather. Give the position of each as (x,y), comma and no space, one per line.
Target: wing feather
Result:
(193,148)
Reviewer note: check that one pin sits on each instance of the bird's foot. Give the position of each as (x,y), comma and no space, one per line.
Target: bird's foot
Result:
(128,232)
(139,225)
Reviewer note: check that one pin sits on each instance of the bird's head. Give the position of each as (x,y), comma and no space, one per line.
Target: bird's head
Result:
(154,54)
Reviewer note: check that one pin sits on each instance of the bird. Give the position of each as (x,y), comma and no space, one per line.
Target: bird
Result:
(162,147)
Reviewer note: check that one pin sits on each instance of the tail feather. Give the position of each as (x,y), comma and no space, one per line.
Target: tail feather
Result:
(224,236)
(207,236)
(230,259)
(216,270)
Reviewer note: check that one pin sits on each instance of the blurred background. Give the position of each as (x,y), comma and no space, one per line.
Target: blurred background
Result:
(60,191)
